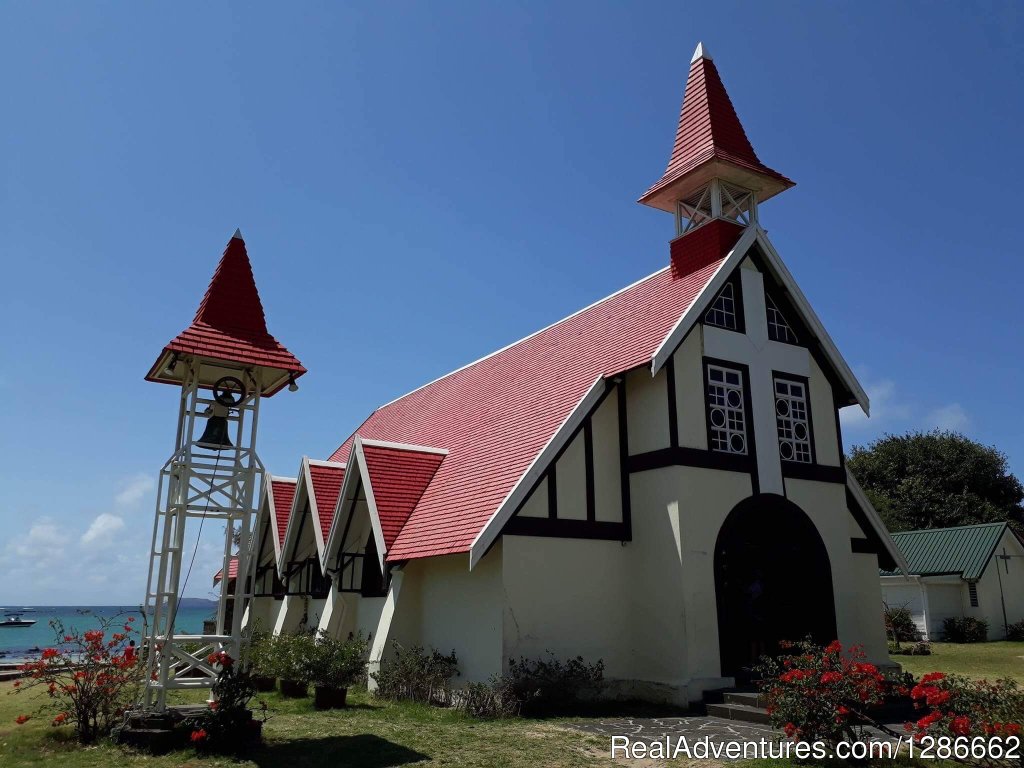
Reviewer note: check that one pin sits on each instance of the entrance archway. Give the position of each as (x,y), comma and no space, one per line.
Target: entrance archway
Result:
(773,581)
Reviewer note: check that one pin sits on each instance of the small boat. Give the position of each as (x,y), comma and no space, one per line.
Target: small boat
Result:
(15,620)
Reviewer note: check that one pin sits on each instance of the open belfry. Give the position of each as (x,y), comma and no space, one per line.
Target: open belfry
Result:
(225,364)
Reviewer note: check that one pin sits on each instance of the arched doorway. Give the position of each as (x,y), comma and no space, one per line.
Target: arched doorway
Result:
(773,582)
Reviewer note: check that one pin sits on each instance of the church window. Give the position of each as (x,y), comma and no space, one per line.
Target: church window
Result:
(724,311)
(727,418)
(972,591)
(778,328)
(793,421)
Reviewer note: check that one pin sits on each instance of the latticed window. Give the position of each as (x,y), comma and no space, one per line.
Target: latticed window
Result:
(778,328)
(972,591)
(722,313)
(727,416)
(791,418)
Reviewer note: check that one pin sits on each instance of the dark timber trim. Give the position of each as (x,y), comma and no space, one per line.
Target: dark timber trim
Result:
(673,414)
(690,457)
(567,529)
(627,511)
(590,528)
(863,546)
(588,457)
(822,473)
(885,560)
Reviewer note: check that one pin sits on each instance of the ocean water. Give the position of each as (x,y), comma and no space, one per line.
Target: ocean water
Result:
(20,643)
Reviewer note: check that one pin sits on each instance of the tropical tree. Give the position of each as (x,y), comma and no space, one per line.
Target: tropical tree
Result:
(937,479)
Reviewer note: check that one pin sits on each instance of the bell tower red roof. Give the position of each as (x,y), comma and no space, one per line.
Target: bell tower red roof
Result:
(710,142)
(230,327)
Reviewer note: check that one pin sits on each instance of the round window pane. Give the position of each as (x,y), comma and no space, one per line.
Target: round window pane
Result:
(734,398)
(782,407)
(786,449)
(737,444)
(800,430)
(718,417)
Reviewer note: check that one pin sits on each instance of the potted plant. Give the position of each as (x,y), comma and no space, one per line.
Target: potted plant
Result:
(336,665)
(262,661)
(292,660)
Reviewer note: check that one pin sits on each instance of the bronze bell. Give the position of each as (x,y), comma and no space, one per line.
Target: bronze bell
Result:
(215,436)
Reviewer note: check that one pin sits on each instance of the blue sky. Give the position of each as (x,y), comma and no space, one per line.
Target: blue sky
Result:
(421,183)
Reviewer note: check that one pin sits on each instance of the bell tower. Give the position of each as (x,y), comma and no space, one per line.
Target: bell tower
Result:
(224,364)
(713,172)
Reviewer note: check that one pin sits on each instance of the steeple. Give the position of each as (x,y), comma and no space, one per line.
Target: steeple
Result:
(229,327)
(713,171)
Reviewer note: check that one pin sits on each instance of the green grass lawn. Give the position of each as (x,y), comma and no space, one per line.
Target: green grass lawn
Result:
(977,660)
(368,734)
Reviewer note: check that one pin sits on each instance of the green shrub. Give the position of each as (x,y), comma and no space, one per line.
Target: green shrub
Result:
(1015,631)
(494,699)
(964,629)
(259,656)
(412,674)
(899,625)
(550,685)
(292,657)
(337,663)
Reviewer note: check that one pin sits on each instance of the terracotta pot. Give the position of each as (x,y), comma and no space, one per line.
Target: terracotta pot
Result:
(295,689)
(330,698)
(262,683)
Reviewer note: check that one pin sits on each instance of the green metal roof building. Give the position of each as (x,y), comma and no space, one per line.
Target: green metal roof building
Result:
(969,570)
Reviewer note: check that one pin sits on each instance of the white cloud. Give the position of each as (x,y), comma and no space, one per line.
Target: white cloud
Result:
(133,490)
(886,408)
(100,533)
(952,417)
(41,547)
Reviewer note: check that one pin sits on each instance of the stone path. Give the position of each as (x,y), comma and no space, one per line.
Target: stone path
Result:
(650,729)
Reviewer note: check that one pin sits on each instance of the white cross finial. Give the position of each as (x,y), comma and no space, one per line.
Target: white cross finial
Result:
(700,53)
(237,235)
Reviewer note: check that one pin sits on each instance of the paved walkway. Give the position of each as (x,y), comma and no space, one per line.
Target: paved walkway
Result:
(650,729)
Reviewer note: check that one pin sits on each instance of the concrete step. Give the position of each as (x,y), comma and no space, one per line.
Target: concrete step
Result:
(748,698)
(739,712)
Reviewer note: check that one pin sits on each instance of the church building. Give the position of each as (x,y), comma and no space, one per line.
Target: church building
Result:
(656,481)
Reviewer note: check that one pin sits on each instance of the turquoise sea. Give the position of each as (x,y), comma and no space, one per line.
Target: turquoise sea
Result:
(20,643)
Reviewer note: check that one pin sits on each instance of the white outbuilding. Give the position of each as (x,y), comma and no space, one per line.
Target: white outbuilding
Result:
(969,570)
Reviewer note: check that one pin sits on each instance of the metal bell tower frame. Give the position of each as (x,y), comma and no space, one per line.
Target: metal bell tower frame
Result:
(225,363)
(200,483)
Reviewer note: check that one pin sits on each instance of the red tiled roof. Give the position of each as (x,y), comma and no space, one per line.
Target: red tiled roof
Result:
(232,571)
(230,324)
(495,416)
(709,129)
(284,492)
(327,482)
(398,477)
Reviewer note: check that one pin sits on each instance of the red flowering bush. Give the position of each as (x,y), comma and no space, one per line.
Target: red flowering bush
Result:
(820,694)
(89,677)
(952,705)
(228,723)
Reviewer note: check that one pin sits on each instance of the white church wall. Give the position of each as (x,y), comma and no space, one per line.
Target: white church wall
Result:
(646,401)
(537,503)
(704,498)
(823,427)
(572,597)
(446,606)
(855,585)
(261,613)
(689,370)
(945,600)
(607,478)
(570,481)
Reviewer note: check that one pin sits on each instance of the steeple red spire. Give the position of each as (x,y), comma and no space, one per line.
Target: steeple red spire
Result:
(230,326)
(710,142)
